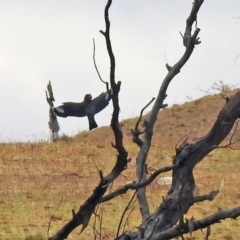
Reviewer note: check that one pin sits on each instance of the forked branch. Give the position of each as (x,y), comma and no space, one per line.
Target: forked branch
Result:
(180,196)
(180,229)
(83,215)
(135,185)
(190,40)
(136,132)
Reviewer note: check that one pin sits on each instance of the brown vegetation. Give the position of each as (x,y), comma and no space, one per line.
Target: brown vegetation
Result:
(157,217)
(39,180)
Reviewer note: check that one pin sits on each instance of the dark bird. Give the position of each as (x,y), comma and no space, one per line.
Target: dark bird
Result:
(89,107)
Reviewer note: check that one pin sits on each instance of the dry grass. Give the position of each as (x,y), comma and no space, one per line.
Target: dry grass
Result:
(41,180)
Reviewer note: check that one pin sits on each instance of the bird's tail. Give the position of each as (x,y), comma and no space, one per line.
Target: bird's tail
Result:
(92,122)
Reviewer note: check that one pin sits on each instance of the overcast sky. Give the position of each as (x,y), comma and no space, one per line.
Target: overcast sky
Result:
(42,40)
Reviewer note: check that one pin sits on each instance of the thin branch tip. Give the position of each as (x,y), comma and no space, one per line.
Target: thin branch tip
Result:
(95,65)
(169,68)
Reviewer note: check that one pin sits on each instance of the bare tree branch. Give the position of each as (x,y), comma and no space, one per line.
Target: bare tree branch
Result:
(198,224)
(231,142)
(129,214)
(85,212)
(189,42)
(122,153)
(124,212)
(209,197)
(180,197)
(208,232)
(183,228)
(95,65)
(95,222)
(134,185)
(162,224)
(49,224)
(136,132)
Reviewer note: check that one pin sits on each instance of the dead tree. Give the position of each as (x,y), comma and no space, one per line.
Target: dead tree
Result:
(167,221)
(53,122)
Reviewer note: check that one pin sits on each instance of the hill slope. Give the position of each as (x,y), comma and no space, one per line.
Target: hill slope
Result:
(40,180)
(191,119)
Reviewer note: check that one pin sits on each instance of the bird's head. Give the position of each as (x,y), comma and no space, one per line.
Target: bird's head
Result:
(88,98)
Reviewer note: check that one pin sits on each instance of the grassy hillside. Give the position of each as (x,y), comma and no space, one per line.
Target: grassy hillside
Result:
(40,180)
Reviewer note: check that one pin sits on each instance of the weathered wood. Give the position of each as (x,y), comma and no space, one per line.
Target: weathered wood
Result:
(53,122)
(85,212)
(189,41)
(180,197)
(162,224)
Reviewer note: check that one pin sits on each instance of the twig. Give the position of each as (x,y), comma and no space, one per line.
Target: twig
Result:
(201,90)
(136,132)
(97,68)
(208,232)
(141,113)
(100,223)
(231,142)
(129,214)
(94,222)
(49,224)
(123,214)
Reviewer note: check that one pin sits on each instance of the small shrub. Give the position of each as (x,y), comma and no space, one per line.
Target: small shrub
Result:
(64,137)
(222,87)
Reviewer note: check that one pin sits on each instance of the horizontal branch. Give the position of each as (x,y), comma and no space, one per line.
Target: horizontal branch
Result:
(95,65)
(198,224)
(135,186)
(209,197)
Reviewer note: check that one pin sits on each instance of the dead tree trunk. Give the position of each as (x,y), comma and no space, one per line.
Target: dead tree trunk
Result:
(180,197)
(167,221)
(53,122)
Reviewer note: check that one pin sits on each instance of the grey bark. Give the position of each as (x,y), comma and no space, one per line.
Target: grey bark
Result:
(83,215)
(167,221)
(53,122)
(160,225)
(189,41)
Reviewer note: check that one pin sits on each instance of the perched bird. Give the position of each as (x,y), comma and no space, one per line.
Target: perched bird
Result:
(89,107)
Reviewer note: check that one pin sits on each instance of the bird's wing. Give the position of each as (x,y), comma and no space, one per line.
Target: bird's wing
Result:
(101,101)
(68,109)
